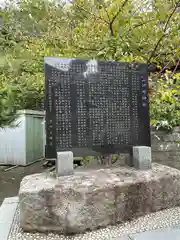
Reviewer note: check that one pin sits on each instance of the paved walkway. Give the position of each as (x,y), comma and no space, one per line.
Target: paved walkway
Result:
(7,211)
(163,234)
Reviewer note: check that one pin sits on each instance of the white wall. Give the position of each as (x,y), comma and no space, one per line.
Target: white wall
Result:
(12,144)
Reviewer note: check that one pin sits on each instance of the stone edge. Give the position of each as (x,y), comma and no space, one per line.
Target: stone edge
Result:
(7,212)
(122,238)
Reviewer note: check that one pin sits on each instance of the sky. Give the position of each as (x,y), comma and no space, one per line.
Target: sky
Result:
(148,6)
(2,2)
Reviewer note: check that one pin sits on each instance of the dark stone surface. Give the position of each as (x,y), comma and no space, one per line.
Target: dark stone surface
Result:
(95,106)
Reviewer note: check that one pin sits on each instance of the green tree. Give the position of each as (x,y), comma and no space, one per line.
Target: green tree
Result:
(113,30)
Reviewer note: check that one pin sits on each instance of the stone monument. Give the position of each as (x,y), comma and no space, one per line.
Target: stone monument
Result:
(97,107)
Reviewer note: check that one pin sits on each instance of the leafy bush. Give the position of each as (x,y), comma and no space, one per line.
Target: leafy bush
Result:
(165,102)
(7,107)
(21,87)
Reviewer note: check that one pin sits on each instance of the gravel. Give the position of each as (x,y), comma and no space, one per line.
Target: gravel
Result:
(162,219)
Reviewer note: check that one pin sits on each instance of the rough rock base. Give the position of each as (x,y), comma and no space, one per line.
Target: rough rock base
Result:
(92,199)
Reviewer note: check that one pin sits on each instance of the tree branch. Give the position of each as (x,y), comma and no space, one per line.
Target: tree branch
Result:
(85,10)
(103,4)
(164,32)
(111,25)
(115,16)
(120,10)
(137,25)
(87,49)
(177,65)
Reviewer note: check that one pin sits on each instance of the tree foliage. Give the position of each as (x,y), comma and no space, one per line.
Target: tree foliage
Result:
(121,30)
(165,101)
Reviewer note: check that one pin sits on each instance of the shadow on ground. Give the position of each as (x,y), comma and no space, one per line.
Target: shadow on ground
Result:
(10,180)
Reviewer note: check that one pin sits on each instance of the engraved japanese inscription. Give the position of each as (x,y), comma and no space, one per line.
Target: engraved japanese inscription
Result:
(95,105)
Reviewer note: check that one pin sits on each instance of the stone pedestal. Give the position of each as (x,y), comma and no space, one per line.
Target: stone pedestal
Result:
(97,198)
(142,159)
(64,163)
